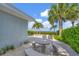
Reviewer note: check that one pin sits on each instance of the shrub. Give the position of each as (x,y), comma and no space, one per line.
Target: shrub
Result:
(12,47)
(5,49)
(57,37)
(40,32)
(1,52)
(71,37)
(9,47)
(25,42)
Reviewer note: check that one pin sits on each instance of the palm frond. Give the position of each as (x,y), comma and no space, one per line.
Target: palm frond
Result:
(37,25)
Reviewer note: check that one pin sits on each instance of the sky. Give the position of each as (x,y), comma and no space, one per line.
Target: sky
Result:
(39,11)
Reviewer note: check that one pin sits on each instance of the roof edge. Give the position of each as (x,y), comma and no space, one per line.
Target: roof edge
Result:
(9,8)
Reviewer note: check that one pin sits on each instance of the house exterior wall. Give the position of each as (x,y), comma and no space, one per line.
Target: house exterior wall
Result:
(13,30)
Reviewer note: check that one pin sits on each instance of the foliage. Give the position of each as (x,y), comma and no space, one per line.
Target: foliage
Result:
(2,51)
(12,47)
(71,37)
(63,11)
(53,27)
(9,47)
(5,49)
(25,42)
(40,32)
(37,25)
(57,37)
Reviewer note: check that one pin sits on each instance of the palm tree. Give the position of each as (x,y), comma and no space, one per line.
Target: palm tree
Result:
(37,25)
(73,17)
(60,12)
(53,27)
(51,21)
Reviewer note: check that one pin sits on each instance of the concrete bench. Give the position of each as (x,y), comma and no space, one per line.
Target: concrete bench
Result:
(31,52)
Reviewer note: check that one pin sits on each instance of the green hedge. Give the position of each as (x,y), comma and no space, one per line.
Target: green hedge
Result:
(57,37)
(71,37)
(40,32)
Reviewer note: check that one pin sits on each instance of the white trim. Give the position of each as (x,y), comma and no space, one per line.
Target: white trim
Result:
(14,11)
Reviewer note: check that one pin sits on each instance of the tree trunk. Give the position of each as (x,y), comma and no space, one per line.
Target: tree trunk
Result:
(60,25)
(54,29)
(72,23)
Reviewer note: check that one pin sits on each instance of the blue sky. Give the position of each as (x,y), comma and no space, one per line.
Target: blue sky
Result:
(34,9)
(39,11)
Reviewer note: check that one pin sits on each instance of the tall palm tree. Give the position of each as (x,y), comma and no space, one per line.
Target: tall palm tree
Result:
(60,12)
(73,17)
(53,27)
(51,21)
(37,25)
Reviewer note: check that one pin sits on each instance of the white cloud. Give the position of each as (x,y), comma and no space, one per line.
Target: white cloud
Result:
(39,20)
(46,24)
(76,22)
(44,13)
(30,24)
(67,24)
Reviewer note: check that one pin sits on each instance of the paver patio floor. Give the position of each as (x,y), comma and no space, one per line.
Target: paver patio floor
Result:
(19,51)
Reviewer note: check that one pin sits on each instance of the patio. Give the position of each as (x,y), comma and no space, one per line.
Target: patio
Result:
(63,49)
